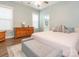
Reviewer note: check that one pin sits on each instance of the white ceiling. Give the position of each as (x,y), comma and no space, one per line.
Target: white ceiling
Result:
(42,6)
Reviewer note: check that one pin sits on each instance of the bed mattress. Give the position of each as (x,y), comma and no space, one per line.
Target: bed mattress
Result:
(64,41)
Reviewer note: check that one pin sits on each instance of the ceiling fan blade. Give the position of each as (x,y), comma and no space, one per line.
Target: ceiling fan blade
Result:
(46,2)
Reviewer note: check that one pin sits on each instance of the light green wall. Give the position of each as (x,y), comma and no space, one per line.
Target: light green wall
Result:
(22,13)
(65,12)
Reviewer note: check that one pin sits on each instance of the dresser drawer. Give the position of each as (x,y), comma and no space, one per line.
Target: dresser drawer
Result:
(2,36)
(23,31)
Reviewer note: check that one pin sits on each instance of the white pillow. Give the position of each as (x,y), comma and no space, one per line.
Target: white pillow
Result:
(60,28)
(77,29)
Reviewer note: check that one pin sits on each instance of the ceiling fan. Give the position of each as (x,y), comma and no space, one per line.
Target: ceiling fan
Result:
(46,2)
(38,3)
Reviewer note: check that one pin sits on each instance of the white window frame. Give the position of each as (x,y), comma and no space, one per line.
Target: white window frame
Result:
(4,6)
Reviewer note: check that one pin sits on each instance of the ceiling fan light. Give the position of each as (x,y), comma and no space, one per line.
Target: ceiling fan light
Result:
(38,3)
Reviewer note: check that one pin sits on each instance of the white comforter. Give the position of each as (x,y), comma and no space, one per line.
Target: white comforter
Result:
(68,43)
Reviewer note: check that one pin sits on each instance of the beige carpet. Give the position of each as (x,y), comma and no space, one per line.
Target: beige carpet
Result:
(15,51)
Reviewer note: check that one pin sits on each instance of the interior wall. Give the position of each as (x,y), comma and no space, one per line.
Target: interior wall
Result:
(21,13)
(66,12)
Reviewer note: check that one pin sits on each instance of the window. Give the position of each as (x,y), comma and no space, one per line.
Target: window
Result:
(6,17)
(35,20)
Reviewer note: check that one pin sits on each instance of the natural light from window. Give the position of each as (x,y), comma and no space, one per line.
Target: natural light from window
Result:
(35,20)
(6,17)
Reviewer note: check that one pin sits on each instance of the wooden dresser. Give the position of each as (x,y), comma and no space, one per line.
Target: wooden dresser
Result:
(2,36)
(23,32)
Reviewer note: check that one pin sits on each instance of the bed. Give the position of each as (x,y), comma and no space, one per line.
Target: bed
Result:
(34,48)
(67,42)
